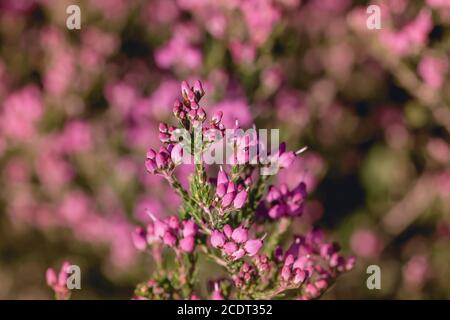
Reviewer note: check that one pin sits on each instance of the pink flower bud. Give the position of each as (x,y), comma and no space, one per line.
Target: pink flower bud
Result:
(63,275)
(222,177)
(164,137)
(277,211)
(185,89)
(187,244)
(177,154)
(217,117)
(289,260)
(321,284)
(240,199)
(311,290)
(173,222)
(217,294)
(160,228)
(228,199)
(150,165)
(50,276)
(198,89)
(151,154)
(301,263)
(286,159)
(163,127)
(227,230)
(217,239)
(238,254)
(252,246)
(221,190)
(201,114)
(169,239)
(230,248)
(240,235)
(286,273)
(336,260)
(299,277)
(273,194)
(349,265)
(139,238)
(189,228)
(161,160)
(231,187)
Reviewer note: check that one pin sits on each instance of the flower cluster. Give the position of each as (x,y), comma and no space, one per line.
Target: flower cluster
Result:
(235,244)
(170,231)
(229,194)
(220,220)
(284,202)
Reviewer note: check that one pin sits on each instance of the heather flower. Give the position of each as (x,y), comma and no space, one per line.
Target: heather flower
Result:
(212,212)
(217,239)
(58,281)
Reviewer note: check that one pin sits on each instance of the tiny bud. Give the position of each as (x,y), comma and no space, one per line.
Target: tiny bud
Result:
(300,276)
(50,276)
(163,127)
(217,294)
(286,273)
(187,244)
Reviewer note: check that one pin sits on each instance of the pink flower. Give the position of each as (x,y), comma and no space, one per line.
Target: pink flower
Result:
(252,247)
(51,277)
(240,199)
(230,248)
(189,228)
(217,239)
(240,235)
(227,230)
(139,238)
(238,254)
(187,244)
